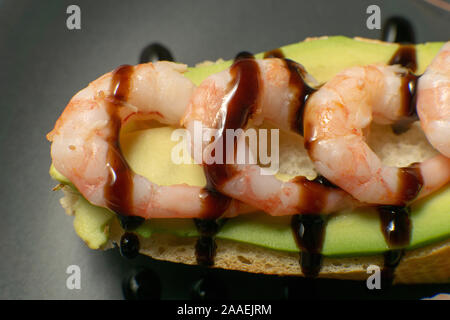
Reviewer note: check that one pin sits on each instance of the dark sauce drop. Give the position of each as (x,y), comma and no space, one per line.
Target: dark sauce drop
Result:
(129,245)
(396,227)
(313,196)
(409,111)
(302,93)
(208,289)
(406,57)
(398,29)
(155,52)
(208,227)
(214,203)
(246,79)
(120,84)
(309,233)
(325,182)
(142,284)
(297,83)
(411,182)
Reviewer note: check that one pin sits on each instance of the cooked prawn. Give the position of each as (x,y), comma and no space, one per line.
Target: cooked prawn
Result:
(257,90)
(336,119)
(433,101)
(85,145)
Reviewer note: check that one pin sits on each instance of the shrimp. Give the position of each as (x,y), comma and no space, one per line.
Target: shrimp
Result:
(433,101)
(85,145)
(336,120)
(256,90)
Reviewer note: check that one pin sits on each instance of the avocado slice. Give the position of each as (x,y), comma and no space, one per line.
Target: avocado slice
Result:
(349,233)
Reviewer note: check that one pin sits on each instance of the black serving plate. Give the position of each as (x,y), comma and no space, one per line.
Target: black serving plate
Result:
(43,63)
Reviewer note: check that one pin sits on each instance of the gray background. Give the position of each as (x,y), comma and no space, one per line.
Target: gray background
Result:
(42,64)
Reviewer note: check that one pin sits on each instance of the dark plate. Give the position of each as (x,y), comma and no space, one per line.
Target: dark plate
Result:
(43,64)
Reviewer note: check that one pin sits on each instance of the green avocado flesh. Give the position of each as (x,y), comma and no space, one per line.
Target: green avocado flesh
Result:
(348,233)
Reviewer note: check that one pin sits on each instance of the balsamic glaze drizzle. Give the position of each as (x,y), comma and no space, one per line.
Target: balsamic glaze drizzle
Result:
(309,227)
(246,79)
(237,112)
(396,227)
(119,190)
(395,223)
